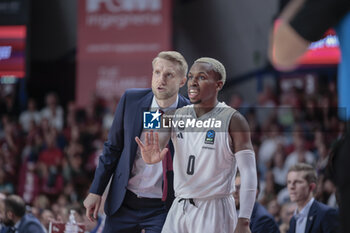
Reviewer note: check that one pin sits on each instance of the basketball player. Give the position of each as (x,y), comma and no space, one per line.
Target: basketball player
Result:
(206,158)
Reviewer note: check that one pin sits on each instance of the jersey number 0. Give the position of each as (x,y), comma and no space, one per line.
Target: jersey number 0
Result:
(190,165)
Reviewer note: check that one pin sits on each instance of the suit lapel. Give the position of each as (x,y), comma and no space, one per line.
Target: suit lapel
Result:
(292,225)
(142,105)
(21,224)
(311,217)
(182,101)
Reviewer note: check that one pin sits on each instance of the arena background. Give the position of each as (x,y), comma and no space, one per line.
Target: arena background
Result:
(287,111)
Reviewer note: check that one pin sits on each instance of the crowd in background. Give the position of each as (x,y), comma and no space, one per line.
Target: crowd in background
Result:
(48,155)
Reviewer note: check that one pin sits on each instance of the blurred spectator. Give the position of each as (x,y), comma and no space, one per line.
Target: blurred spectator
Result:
(3,228)
(272,139)
(300,154)
(97,105)
(53,112)
(285,116)
(330,189)
(322,154)
(274,209)
(28,184)
(75,144)
(33,146)
(71,193)
(16,218)
(11,146)
(108,116)
(254,126)
(268,189)
(286,213)
(319,139)
(237,102)
(279,169)
(92,162)
(51,155)
(265,106)
(46,217)
(31,117)
(72,124)
(71,117)
(61,212)
(283,196)
(5,186)
(41,202)
(50,167)
(93,124)
(313,111)
(310,215)
(8,103)
(326,191)
(75,174)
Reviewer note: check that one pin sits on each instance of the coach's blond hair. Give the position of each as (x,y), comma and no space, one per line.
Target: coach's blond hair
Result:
(310,174)
(218,67)
(176,57)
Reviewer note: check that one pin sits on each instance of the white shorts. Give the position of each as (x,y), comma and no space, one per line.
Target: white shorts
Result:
(209,216)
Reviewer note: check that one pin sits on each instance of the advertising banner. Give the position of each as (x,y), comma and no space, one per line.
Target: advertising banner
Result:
(12,51)
(117,40)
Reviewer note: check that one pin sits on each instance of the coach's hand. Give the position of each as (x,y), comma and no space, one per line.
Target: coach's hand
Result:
(92,204)
(150,151)
(242,226)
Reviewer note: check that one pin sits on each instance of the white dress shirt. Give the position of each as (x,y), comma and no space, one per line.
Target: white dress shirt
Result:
(301,217)
(146,179)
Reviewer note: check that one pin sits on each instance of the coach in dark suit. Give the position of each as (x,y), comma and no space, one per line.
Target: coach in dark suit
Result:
(321,218)
(16,219)
(30,224)
(135,199)
(310,216)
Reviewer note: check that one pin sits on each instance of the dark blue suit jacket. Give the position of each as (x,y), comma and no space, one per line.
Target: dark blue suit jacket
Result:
(30,224)
(3,229)
(262,221)
(119,150)
(321,218)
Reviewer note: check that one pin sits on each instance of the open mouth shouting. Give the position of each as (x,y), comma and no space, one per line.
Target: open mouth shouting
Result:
(193,93)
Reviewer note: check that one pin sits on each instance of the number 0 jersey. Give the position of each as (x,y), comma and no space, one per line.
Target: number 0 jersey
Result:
(204,164)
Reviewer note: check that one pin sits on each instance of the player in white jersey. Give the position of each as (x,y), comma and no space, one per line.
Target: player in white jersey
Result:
(204,154)
(210,141)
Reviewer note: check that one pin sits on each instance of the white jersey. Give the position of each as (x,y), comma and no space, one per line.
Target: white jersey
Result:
(204,164)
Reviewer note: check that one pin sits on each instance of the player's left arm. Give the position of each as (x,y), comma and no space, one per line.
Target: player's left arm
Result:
(245,157)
